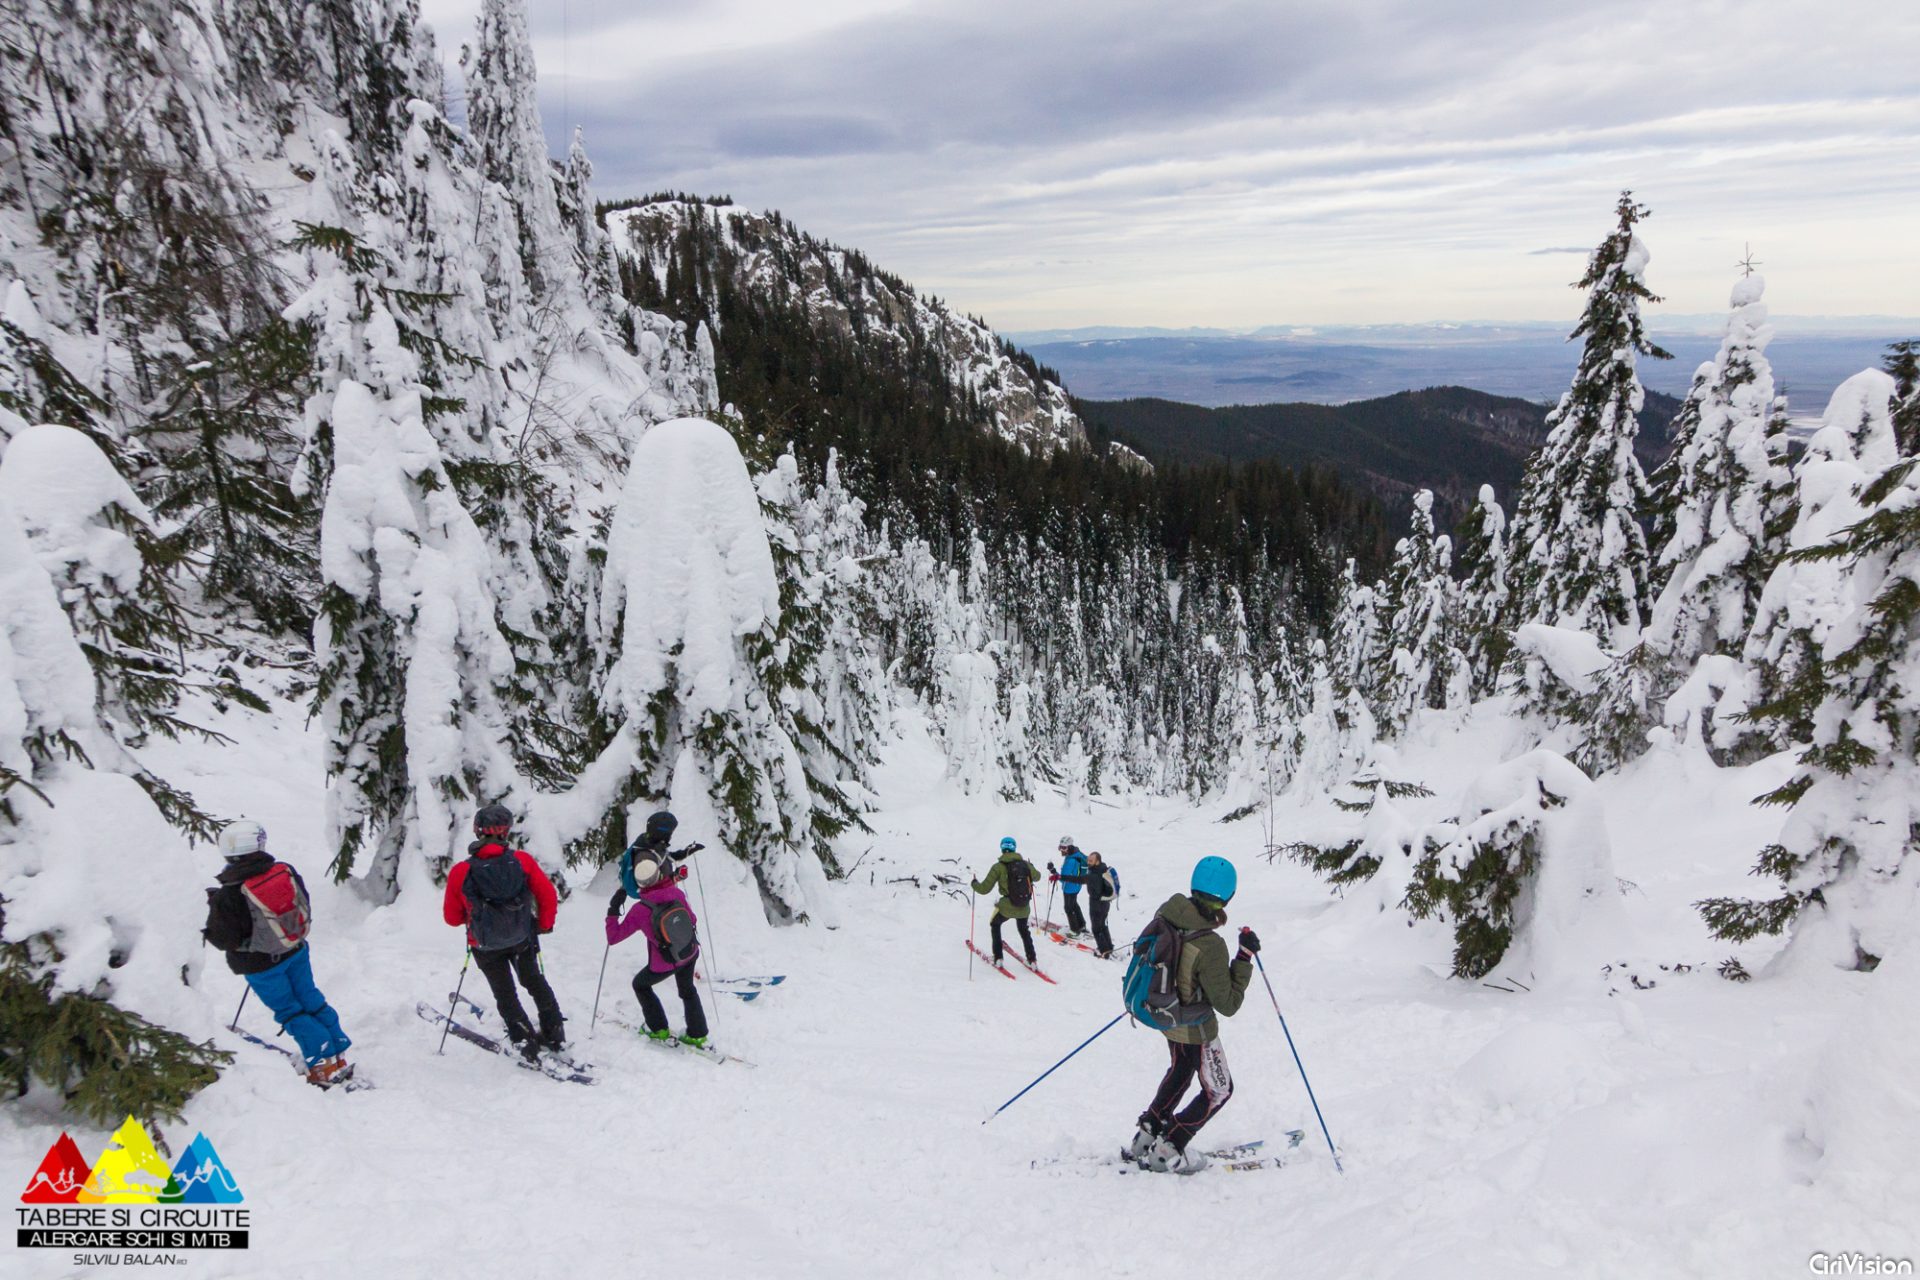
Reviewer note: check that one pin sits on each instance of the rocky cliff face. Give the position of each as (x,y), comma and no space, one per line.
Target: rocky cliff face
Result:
(720,247)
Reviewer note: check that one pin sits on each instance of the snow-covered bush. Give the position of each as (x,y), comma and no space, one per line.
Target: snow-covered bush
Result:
(1525,875)
(96,891)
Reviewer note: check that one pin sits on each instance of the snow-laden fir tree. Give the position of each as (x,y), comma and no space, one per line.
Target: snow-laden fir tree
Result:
(96,925)
(503,120)
(1486,612)
(1848,601)
(1723,495)
(1354,653)
(692,674)
(1902,364)
(1578,557)
(1723,509)
(1426,667)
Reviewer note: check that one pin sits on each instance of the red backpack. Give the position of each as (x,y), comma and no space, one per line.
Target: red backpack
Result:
(281,913)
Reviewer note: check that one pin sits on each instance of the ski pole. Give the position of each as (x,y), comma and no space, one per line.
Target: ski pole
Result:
(235,1024)
(1331,1150)
(1056,1066)
(713,959)
(451,1004)
(596,990)
(1052,884)
(973,916)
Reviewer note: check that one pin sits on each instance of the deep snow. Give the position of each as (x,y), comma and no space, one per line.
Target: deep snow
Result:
(1699,1127)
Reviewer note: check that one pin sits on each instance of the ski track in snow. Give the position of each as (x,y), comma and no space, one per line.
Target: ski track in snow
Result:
(1658,1132)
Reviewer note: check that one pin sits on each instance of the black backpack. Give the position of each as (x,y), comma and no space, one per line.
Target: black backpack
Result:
(672,927)
(1019,882)
(500,912)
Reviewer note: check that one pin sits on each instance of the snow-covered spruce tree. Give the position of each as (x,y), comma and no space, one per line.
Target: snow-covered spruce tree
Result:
(1486,602)
(693,673)
(812,674)
(1355,656)
(1578,556)
(95,935)
(1525,874)
(1724,499)
(97,542)
(1843,856)
(1425,665)
(503,121)
(1902,364)
(412,662)
(1806,595)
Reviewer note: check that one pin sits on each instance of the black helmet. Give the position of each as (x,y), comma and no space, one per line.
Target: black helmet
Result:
(494,820)
(660,827)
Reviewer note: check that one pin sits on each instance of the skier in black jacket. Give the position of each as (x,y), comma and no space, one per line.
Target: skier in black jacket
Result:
(258,914)
(1103,886)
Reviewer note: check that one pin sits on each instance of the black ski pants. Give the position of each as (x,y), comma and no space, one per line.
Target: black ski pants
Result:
(1026,936)
(1189,1060)
(1070,903)
(1101,938)
(523,962)
(650,1007)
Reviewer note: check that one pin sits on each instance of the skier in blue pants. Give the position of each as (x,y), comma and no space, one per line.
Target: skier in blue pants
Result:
(258,914)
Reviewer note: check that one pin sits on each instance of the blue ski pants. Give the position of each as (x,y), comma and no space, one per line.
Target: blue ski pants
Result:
(299,1008)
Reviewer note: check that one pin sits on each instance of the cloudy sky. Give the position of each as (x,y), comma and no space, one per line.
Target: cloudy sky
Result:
(1046,163)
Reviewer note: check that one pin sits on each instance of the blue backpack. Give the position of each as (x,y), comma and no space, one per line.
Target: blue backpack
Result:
(1150,987)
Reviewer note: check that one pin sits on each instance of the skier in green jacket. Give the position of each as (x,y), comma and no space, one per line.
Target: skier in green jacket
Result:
(1204,976)
(1012,877)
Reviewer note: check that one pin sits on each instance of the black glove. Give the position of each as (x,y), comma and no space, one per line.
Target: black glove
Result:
(1052,868)
(1249,942)
(618,901)
(687,852)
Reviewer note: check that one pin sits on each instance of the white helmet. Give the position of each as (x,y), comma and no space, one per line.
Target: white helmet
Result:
(1066,842)
(645,871)
(238,839)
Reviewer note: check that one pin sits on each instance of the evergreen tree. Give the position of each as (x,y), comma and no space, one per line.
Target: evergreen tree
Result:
(1425,665)
(1902,363)
(1486,603)
(1579,556)
(1850,595)
(1724,494)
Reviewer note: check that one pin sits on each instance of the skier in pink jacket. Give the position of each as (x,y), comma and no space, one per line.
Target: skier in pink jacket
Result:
(662,912)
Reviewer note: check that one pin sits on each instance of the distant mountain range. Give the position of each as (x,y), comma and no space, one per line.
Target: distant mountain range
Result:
(1448,439)
(1335,365)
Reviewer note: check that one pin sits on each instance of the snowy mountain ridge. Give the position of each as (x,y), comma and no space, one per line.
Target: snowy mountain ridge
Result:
(847,297)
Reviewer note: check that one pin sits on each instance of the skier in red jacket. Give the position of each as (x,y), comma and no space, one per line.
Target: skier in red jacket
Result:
(506,902)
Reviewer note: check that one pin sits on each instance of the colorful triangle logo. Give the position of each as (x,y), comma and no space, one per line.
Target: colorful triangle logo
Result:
(129,1171)
(202,1177)
(60,1176)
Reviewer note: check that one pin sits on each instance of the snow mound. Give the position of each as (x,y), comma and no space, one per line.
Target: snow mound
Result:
(1573,656)
(58,483)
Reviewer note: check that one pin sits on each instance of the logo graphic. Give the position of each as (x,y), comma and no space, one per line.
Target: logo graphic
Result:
(130,1170)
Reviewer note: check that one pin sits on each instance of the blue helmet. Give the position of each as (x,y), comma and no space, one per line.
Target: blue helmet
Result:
(1216,878)
(1007,845)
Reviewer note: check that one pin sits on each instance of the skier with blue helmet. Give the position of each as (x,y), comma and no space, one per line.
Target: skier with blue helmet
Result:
(1012,877)
(1204,977)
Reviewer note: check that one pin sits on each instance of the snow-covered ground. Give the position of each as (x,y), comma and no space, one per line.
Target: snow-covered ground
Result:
(1698,1127)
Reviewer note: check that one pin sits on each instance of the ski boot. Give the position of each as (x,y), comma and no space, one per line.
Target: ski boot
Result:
(328,1073)
(694,1042)
(1143,1140)
(662,1035)
(1164,1157)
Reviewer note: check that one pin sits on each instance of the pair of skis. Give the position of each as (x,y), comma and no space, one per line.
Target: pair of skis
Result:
(347,1081)
(1000,969)
(1060,934)
(554,1066)
(1243,1157)
(672,1043)
(749,988)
